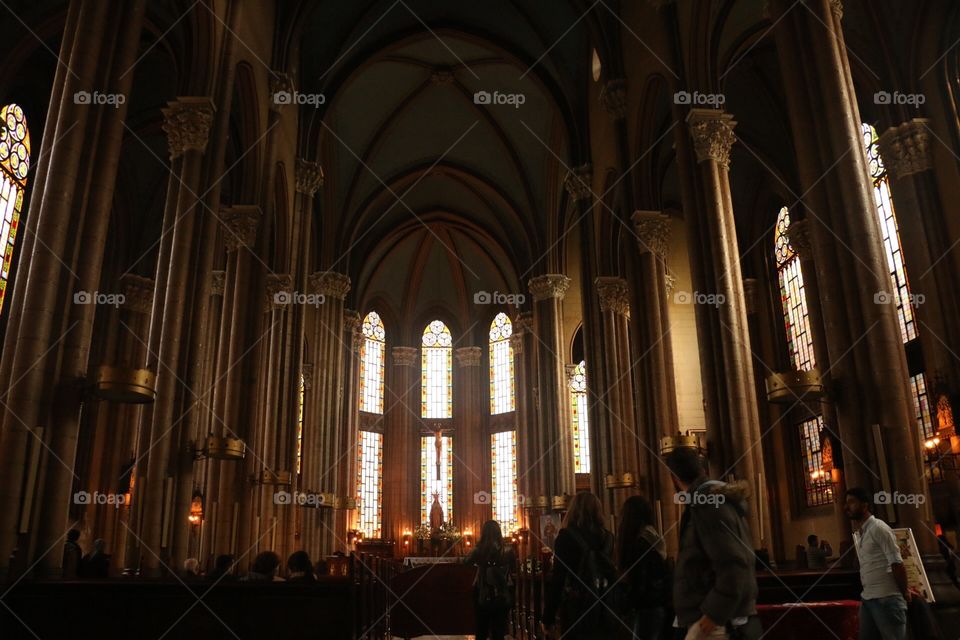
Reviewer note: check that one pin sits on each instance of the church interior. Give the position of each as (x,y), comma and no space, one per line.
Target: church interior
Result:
(353,277)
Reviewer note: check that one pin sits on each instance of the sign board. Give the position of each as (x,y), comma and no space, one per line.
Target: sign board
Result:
(912,562)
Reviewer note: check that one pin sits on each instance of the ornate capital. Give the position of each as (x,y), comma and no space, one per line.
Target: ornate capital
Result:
(306,370)
(240,226)
(468,356)
(523,322)
(351,327)
(578,183)
(309,177)
(218,281)
(669,283)
(404,356)
(279,290)
(613,97)
(653,232)
(712,132)
(187,122)
(837,7)
(329,284)
(516,343)
(137,293)
(280,83)
(614,294)
(798,237)
(551,285)
(906,149)
(751,290)
(570,370)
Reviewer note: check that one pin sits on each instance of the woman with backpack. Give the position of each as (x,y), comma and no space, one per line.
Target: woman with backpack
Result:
(583,584)
(641,558)
(493,587)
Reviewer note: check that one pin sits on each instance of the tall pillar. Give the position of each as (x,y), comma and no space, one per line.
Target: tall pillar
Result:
(401,444)
(347,481)
(655,354)
(471,471)
(529,482)
(713,136)
(555,442)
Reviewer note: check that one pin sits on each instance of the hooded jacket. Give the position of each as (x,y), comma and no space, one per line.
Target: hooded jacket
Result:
(715,572)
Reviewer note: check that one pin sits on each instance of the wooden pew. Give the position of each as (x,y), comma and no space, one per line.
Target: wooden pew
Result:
(433,600)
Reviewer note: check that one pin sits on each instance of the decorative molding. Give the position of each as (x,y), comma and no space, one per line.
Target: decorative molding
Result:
(653,232)
(240,226)
(798,237)
(137,293)
(837,7)
(306,370)
(569,370)
(614,294)
(187,122)
(523,322)
(404,356)
(712,132)
(613,97)
(468,356)
(280,82)
(551,285)
(669,284)
(330,283)
(309,177)
(578,183)
(279,290)
(516,343)
(351,327)
(906,149)
(751,292)
(218,282)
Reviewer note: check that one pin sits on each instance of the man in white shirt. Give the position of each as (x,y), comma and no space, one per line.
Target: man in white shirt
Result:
(883,611)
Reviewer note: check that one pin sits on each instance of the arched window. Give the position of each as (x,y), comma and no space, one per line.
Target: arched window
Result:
(14,165)
(502,396)
(580,419)
(793,297)
(301,395)
(371,364)
(436,372)
(503,465)
(370,484)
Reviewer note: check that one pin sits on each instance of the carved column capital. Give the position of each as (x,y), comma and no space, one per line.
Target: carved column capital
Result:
(837,7)
(523,322)
(281,90)
(218,282)
(329,284)
(614,294)
(712,132)
(516,343)
(279,290)
(137,293)
(240,226)
(468,356)
(404,356)
(798,237)
(578,183)
(551,285)
(613,97)
(906,148)
(653,232)
(751,292)
(351,328)
(187,122)
(669,284)
(309,177)
(306,370)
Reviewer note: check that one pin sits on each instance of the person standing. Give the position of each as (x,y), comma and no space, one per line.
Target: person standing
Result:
(817,553)
(72,555)
(641,558)
(883,607)
(715,584)
(493,588)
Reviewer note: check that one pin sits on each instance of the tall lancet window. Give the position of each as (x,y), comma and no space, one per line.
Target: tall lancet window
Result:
(436,475)
(301,396)
(371,364)
(14,165)
(503,465)
(580,419)
(793,297)
(436,371)
(895,263)
(502,396)
(370,484)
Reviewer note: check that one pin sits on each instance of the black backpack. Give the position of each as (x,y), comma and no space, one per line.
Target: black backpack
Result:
(595,590)
(493,584)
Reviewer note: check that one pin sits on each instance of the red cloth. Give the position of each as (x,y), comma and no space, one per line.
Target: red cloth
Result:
(808,620)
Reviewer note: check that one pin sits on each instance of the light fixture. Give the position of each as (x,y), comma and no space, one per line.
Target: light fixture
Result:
(196,509)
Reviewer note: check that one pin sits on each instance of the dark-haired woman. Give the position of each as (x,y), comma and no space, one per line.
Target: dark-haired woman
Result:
(493,587)
(583,569)
(641,559)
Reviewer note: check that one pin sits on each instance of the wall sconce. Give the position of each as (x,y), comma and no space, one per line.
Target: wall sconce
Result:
(407,536)
(468,538)
(196,509)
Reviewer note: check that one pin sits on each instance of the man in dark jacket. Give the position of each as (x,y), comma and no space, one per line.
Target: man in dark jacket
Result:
(715,586)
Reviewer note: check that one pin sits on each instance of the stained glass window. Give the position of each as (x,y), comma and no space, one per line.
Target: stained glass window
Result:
(502,398)
(436,371)
(580,419)
(891,234)
(430,482)
(14,165)
(817,483)
(370,484)
(793,297)
(371,364)
(301,395)
(921,405)
(503,465)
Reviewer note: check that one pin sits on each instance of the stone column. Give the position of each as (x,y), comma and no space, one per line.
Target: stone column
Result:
(555,442)
(529,482)
(401,445)
(713,136)
(347,481)
(471,469)
(655,353)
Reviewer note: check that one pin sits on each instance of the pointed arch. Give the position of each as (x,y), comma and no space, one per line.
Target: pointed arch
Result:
(502,392)
(14,166)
